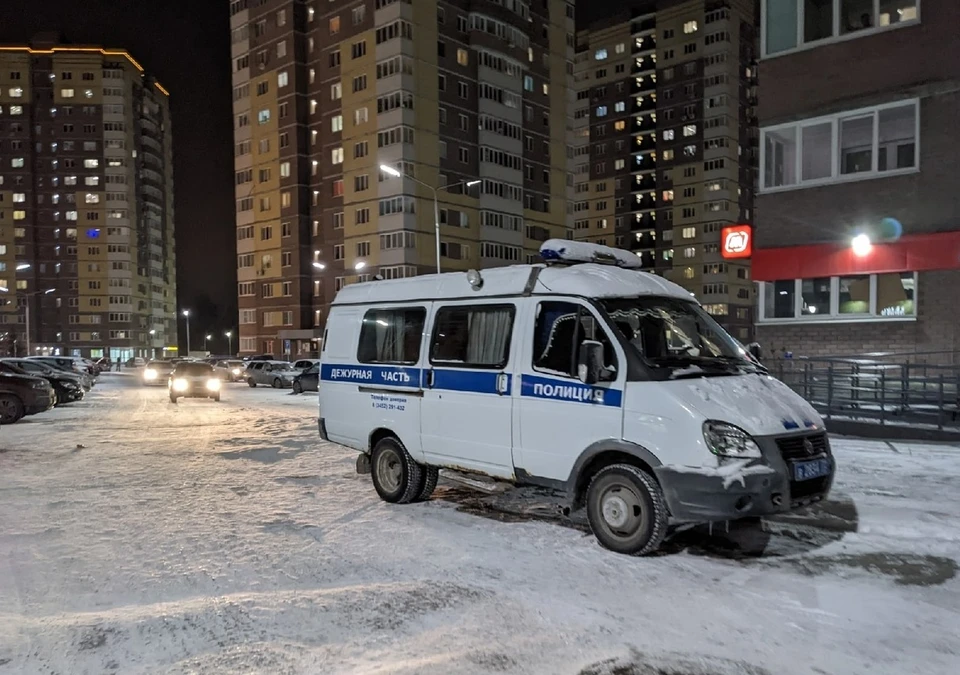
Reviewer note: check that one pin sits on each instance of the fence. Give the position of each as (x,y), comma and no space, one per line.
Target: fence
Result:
(915,389)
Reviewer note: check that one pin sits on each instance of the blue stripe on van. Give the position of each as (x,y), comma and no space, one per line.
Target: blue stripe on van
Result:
(384,376)
(476,381)
(568,390)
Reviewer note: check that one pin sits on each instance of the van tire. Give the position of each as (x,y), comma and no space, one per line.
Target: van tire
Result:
(431,475)
(397,478)
(252,382)
(644,524)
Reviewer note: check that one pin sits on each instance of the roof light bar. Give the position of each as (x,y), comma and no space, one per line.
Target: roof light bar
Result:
(566,252)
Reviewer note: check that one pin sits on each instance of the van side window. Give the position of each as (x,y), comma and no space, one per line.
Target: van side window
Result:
(473,336)
(391,335)
(560,328)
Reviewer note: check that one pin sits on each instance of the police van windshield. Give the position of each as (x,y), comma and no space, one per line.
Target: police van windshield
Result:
(677,335)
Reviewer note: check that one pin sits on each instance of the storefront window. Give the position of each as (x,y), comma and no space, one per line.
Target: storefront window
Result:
(854,294)
(779,297)
(816,296)
(856,297)
(895,294)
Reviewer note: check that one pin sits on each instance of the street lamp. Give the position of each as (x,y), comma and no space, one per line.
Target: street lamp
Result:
(29,295)
(186,314)
(229,335)
(319,265)
(389,170)
(205,339)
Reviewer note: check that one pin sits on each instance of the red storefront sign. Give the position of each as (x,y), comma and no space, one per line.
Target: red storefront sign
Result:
(737,241)
(910,253)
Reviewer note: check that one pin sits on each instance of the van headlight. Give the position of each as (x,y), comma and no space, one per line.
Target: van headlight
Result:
(150,374)
(726,440)
(213,384)
(180,384)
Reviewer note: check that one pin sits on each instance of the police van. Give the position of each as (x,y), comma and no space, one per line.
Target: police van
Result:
(582,374)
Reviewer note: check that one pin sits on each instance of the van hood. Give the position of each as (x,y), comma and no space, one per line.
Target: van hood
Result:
(759,404)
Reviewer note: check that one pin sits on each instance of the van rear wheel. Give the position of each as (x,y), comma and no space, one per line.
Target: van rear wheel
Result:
(397,478)
(626,510)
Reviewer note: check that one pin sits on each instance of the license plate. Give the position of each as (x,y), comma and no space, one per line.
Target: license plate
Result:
(815,468)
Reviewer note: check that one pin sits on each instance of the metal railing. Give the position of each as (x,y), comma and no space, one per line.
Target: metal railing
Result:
(914,389)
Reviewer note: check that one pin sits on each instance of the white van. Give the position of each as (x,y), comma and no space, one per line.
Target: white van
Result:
(584,375)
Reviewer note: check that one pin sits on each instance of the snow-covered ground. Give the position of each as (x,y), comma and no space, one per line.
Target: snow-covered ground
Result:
(139,536)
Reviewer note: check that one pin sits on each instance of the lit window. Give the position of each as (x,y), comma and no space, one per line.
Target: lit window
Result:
(19,197)
(600,54)
(336,156)
(91,163)
(668,135)
(283,79)
(690,27)
(601,111)
(67,93)
(16,92)
(462,57)
(91,198)
(263,116)
(336,123)
(689,129)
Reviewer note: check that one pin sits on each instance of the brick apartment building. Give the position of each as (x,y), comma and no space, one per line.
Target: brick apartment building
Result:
(446,92)
(664,143)
(860,144)
(87,261)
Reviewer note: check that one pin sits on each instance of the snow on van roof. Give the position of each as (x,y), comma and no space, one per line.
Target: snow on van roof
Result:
(587,280)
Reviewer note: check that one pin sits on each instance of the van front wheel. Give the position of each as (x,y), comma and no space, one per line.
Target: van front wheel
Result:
(626,510)
(397,478)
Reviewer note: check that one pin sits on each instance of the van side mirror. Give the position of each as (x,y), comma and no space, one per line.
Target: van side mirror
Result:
(590,361)
(754,350)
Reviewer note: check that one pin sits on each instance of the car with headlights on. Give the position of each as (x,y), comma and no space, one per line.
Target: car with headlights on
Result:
(277,374)
(194,379)
(230,370)
(66,386)
(157,372)
(23,395)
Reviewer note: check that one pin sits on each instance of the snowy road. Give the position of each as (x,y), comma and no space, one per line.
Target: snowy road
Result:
(139,536)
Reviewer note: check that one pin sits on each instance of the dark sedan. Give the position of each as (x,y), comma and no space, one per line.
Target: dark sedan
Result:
(308,380)
(23,395)
(66,386)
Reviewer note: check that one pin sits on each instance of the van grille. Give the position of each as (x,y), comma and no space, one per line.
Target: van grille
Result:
(796,447)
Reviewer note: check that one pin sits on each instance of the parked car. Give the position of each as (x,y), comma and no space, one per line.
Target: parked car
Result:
(260,357)
(66,386)
(230,370)
(278,374)
(157,372)
(303,364)
(23,395)
(193,379)
(68,364)
(136,362)
(308,380)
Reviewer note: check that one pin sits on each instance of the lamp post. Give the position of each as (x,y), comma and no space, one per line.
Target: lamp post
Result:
(186,314)
(436,202)
(206,338)
(229,335)
(152,332)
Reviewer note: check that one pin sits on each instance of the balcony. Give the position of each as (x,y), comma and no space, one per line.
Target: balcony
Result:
(644,84)
(643,182)
(643,240)
(644,64)
(643,221)
(645,200)
(644,161)
(645,103)
(645,122)
(645,142)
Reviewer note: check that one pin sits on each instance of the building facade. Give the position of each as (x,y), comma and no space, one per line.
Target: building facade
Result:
(86,204)
(857,214)
(665,144)
(468,98)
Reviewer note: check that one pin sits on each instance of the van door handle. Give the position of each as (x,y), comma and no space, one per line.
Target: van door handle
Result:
(430,378)
(502,381)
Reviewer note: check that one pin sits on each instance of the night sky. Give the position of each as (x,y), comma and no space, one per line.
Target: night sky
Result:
(186,45)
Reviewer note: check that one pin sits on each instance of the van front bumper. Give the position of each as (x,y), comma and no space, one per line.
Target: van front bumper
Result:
(706,496)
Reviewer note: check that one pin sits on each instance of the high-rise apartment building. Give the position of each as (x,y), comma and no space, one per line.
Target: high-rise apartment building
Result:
(857,231)
(86,204)
(665,144)
(468,98)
